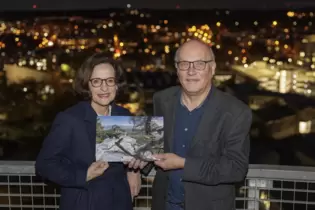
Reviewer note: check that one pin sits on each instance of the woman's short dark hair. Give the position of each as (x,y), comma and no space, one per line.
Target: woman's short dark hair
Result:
(83,75)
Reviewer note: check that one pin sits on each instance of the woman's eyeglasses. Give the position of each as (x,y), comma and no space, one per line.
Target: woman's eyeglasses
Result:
(98,82)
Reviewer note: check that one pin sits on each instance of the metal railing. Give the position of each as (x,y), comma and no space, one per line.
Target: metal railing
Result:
(266,187)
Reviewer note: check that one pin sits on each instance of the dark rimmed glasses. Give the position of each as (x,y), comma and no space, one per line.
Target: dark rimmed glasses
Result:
(98,82)
(197,65)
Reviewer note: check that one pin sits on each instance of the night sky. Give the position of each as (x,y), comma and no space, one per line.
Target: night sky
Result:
(152,4)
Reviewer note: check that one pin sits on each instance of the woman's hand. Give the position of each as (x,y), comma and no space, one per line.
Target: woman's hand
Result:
(134,180)
(96,169)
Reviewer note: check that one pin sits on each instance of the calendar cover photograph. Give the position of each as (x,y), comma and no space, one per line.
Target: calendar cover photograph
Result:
(121,138)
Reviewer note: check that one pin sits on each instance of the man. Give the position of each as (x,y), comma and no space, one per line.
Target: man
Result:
(206,137)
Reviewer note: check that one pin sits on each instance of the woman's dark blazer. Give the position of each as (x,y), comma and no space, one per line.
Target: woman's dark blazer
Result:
(66,154)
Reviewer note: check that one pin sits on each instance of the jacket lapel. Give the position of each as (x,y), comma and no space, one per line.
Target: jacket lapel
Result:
(169,119)
(208,119)
(116,111)
(90,123)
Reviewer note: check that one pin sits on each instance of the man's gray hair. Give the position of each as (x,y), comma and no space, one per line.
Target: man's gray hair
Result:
(196,40)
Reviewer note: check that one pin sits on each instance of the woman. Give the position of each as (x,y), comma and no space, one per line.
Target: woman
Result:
(68,153)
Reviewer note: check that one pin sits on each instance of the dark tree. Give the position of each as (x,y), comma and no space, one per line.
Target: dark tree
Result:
(100,132)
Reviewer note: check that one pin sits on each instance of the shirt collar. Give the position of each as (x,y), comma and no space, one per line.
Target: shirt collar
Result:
(109,112)
(200,105)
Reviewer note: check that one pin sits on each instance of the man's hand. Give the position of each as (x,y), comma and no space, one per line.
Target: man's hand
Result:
(134,180)
(96,169)
(169,161)
(136,164)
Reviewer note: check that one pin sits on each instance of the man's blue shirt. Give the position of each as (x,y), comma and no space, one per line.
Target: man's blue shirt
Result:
(185,128)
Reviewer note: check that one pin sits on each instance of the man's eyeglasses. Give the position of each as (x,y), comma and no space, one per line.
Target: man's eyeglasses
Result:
(198,65)
(98,82)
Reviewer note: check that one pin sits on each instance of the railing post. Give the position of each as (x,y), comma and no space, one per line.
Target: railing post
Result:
(252,195)
(254,192)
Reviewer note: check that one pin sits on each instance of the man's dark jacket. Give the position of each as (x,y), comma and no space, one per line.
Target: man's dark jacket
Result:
(218,156)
